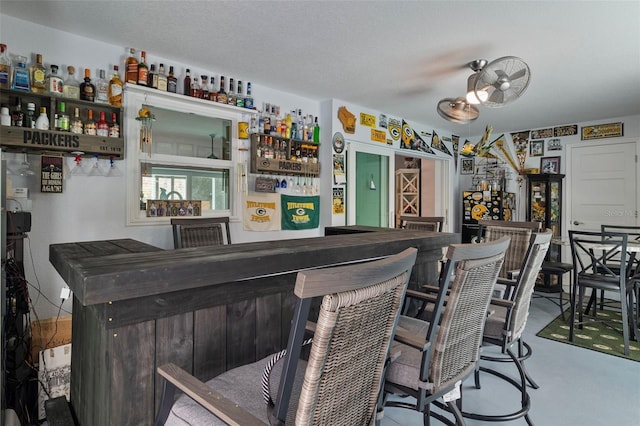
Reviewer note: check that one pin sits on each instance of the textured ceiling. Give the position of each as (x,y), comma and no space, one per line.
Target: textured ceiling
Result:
(399,57)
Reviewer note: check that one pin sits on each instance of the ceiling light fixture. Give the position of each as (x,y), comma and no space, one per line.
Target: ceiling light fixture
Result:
(457,110)
(475,97)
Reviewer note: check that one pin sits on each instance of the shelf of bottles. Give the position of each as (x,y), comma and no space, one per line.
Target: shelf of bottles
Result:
(283,156)
(74,125)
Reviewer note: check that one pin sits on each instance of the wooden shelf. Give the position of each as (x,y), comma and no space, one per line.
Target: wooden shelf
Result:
(281,166)
(22,139)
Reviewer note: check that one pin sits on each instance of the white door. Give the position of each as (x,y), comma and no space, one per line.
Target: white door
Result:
(602,184)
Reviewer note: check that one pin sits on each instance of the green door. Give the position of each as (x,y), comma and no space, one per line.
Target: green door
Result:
(372,189)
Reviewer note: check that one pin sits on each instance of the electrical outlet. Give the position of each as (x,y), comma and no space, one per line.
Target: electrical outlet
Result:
(65,293)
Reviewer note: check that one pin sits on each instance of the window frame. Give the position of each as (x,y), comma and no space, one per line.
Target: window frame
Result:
(134,98)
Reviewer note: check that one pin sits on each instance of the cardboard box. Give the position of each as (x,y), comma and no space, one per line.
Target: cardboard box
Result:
(46,334)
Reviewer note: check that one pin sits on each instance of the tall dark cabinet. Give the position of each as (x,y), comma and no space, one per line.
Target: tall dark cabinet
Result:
(544,198)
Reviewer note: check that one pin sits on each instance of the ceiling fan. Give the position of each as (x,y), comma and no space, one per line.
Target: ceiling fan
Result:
(492,84)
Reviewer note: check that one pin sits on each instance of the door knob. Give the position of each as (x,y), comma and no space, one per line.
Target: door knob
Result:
(576,222)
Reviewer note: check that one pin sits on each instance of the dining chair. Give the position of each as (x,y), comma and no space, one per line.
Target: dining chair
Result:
(506,323)
(425,223)
(591,253)
(435,356)
(200,232)
(339,382)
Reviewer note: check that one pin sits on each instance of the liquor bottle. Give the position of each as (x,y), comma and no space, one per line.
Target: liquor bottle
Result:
(38,75)
(71,88)
(54,82)
(114,128)
(248,99)
(222,95)
(172,81)
(17,115)
(90,127)
(300,127)
(213,93)
(87,89)
(20,79)
(143,70)
(115,88)
(316,131)
(231,94)
(204,87)
(102,127)
(5,68)
(152,77)
(162,79)
(195,88)
(186,88)
(131,67)
(64,125)
(239,95)
(42,123)
(75,125)
(102,88)
(30,117)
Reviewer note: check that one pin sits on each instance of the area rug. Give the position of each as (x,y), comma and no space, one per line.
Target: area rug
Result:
(594,335)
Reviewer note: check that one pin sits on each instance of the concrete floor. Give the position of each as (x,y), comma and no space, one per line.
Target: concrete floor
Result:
(577,386)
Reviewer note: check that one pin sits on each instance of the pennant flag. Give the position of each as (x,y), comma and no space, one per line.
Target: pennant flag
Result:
(455,141)
(262,211)
(503,153)
(438,144)
(468,149)
(484,140)
(411,140)
(521,142)
(300,212)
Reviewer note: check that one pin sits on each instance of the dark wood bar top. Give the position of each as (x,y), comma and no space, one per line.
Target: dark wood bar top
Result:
(108,271)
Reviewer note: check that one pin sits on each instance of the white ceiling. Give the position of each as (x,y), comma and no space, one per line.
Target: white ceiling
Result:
(398,57)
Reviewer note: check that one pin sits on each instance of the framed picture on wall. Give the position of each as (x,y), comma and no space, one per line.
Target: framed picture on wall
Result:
(550,165)
(466,166)
(536,148)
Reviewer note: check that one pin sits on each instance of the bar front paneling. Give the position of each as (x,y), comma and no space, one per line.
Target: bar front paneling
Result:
(206,309)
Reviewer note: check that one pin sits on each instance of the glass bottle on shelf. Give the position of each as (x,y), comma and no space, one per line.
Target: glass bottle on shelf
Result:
(75,124)
(54,82)
(195,87)
(143,69)
(213,93)
(222,95)
(20,79)
(38,75)
(131,67)
(162,79)
(42,123)
(152,77)
(102,88)
(204,87)
(90,127)
(172,81)
(248,99)
(231,94)
(316,131)
(5,68)
(102,127)
(5,117)
(71,87)
(115,88)
(17,115)
(114,128)
(63,118)
(239,95)
(30,117)
(87,89)
(186,88)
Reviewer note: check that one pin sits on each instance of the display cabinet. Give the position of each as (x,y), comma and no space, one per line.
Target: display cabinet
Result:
(22,139)
(544,205)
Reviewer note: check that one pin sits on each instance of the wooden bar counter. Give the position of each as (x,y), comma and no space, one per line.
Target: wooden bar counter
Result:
(206,309)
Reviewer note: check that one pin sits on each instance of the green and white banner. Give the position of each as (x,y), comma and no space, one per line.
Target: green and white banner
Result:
(300,212)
